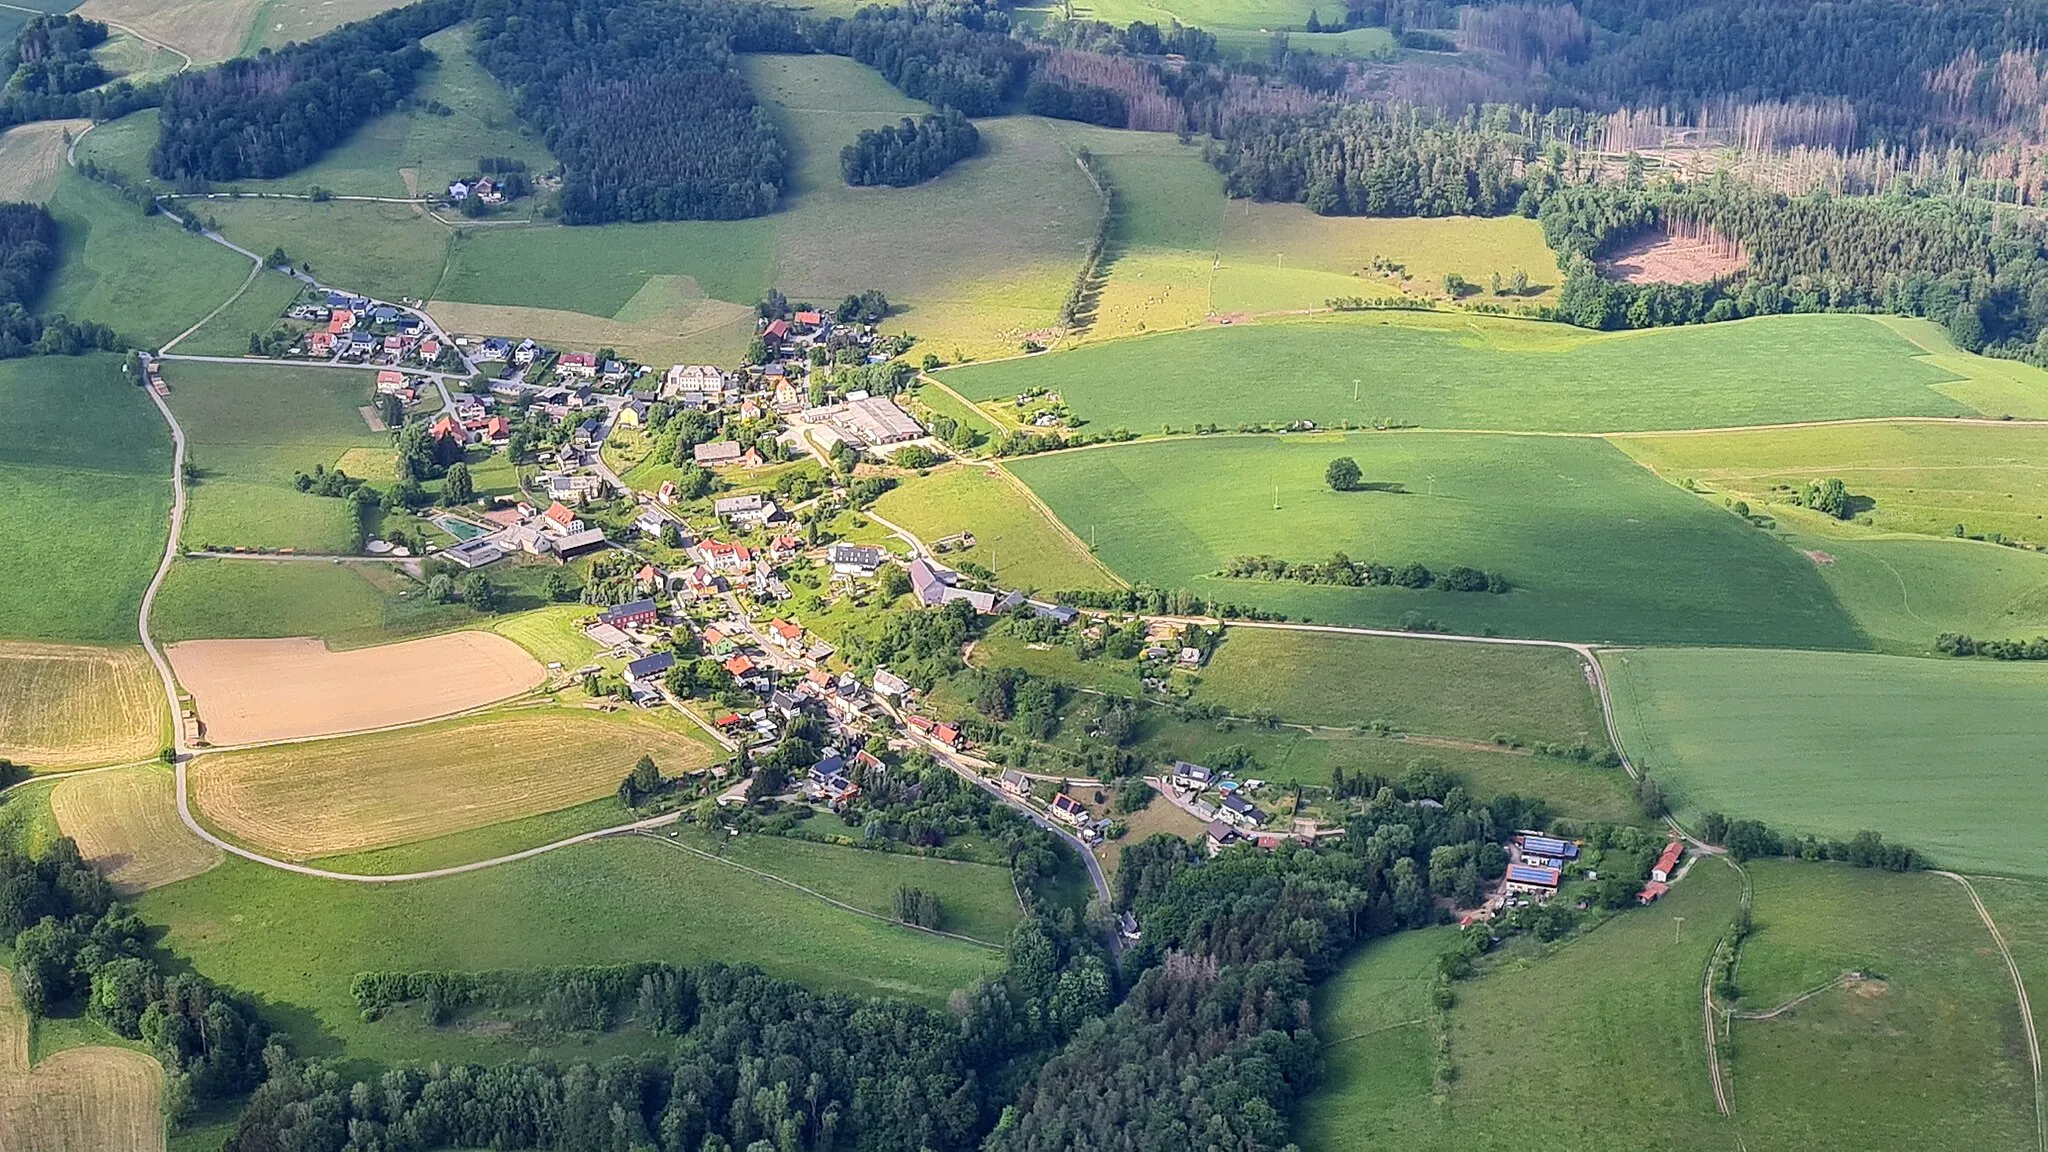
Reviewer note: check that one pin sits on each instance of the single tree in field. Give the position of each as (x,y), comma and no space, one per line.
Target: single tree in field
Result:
(458,488)
(1343,475)
(478,593)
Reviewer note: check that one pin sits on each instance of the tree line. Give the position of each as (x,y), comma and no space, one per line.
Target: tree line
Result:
(77,948)
(909,153)
(957,55)
(28,254)
(1342,570)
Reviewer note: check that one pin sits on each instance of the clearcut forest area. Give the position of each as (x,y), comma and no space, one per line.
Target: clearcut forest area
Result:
(719,576)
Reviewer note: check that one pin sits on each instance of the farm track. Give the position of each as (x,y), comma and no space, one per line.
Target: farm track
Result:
(2019,987)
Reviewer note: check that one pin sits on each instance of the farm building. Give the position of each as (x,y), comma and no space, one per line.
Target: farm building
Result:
(1533,879)
(649,667)
(935,586)
(716,452)
(577,543)
(873,420)
(1666,866)
(636,613)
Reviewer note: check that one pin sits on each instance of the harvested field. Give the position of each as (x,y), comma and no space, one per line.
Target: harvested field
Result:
(321,798)
(1661,258)
(672,326)
(80,1100)
(249,691)
(209,31)
(71,706)
(30,157)
(126,823)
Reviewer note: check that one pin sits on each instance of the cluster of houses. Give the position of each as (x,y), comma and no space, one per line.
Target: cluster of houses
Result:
(483,188)
(1219,798)
(1062,807)
(359,330)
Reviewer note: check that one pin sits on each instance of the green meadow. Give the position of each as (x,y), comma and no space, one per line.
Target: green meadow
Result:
(1595,1043)
(1941,754)
(86,465)
(1012,537)
(144,277)
(1928,1053)
(248,429)
(1440,370)
(257,310)
(1595,548)
(1468,691)
(1917,478)
(2020,909)
(384,250)
(296,942)
(349,605)
(1903,591)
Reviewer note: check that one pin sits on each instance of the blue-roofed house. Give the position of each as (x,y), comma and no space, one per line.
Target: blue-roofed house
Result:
(338,299)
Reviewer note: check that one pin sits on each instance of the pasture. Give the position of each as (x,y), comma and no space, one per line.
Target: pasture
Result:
(278,22)
(1283,257)
(1595,548)
(1928,1052)
(1909,477)
(1440,370)
(257,310)
(1467,691)
(32,156)
(551,634)
(248,429)
(1596,1043)
(1023,546)
(1940,754)
(385,250)
(321,798)
(978,259)
(143,276)
(252,691)
(1373,1020)
(86,464)
(67,706)
(79,1100)
(209,31)
(349,605)
(1903,591)
(297,941)
(2020,909)
(126,823)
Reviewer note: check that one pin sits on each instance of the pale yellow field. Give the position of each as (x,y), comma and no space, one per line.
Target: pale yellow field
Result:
(1278,257)
(249,691)
(301,801)
(71,706)
(282,21)
(31,155)
(79,1100)
(126,823)
(663,323)
(209,31)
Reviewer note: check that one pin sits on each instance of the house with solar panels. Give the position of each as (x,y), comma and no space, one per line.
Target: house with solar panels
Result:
(1547,851)
(1532,880)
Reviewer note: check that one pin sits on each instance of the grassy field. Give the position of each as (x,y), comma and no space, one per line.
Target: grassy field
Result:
(86,465)
(1596,549)
(345,604)
(32,156)
(207,30)
(979,258)
(1595,1044)
(1918,478)
(296,941)
(551,634)
(363,792)
(257,310)
(384,250)
(1928,1054)
(82,1099)
(1012,538)
(143,276)
(1903,591)
(279,22)
(248,428)
(126,822)
(1283,257)
(65,706)
(2020,909)
(1373,1019)
(1470,691)
(1935,753)
(1460,371)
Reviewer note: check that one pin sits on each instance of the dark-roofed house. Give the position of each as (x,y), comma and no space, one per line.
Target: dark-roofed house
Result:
(648,667)
(627,615)
(1065,807)
(1189,775)
(1218,835)
(1532,878)
(1014,782)
(1058,613)
(855,559)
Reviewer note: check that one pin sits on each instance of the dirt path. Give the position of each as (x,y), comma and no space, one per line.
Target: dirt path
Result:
(2019,987)
(1842,981)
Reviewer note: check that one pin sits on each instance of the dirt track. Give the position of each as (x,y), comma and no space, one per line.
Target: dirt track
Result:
(254,691)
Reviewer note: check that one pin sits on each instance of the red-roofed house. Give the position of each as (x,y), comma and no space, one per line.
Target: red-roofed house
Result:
(322,343)
(340,320)
(739,665)
(727,557)
(1667,865)
(390,381)
(430,350)
(560,517)
(776,332)
(810,319)
(788,635)
(949,735)
(783,547)
(497,430)
(577,364)
(648,578)
(447,428)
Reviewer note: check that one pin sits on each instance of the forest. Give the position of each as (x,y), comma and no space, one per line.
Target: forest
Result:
(53,57)
(28,253)
(642,103)
(960,57)
(270,115)
(909,153)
